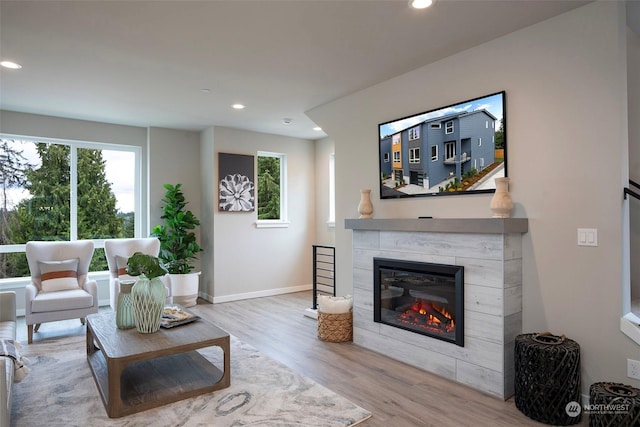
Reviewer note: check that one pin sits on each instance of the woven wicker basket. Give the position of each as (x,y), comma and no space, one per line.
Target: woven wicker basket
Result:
(335,327)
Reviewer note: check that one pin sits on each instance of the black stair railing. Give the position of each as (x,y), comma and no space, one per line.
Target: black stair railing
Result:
(324,272)
(632,192)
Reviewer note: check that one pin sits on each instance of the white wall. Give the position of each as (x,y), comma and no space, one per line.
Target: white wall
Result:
(566,86)
(633,76)
(251,262)
(208,167)
(325,233)
(80,130)
(174,157)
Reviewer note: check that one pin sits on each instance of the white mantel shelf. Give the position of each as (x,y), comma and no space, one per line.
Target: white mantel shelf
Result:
(442,225)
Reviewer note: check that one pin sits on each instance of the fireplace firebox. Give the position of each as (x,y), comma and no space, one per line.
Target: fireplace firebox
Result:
(420,297)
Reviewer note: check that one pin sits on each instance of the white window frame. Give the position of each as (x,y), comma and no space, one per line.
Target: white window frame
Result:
(412,155)
(331,222)
(283,222)
(448,127)
(435,125)
(141,214)
(447,149)
(414,133)
(396,154)
(387,157)
(434,157)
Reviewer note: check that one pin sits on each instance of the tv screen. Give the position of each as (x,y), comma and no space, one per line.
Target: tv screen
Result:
(452,150)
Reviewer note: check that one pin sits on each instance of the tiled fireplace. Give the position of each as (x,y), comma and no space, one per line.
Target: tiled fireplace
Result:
(489,252)
(421,297)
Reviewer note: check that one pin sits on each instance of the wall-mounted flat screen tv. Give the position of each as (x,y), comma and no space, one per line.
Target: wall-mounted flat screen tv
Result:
(452,150)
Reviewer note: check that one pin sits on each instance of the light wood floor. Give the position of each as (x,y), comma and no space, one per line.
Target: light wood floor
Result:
(396,394)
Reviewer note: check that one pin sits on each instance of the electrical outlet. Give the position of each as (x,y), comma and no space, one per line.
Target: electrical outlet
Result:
(633,369)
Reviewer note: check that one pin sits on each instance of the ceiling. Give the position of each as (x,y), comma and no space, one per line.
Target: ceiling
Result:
(182,64)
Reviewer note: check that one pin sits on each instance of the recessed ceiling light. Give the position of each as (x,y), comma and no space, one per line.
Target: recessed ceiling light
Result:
(205,90)
(10,64)
(420,4)
(238,106)
(317,128)
(287,121)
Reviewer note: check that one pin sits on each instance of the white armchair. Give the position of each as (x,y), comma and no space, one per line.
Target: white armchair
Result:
(59,288)
(118,252)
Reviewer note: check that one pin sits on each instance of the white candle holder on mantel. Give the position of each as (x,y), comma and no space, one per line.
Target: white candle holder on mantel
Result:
(501,203)
(365,207)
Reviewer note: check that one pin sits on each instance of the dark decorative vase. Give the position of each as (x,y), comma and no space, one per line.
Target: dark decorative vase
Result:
(148,297)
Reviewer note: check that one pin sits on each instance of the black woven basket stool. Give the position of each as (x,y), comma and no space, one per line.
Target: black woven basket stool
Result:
(614,405)
(548,378)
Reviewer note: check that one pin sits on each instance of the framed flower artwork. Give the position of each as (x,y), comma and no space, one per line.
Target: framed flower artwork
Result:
(236,189)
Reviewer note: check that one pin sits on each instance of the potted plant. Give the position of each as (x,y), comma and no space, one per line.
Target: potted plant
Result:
(148,294)
(178,245)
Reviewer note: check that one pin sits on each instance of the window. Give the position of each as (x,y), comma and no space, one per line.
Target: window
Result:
(486,124)
(414,133)
(65,190)
(449,150)
(396,156)
(435,125)
(395,139)
(414,155)
(387,158)
(448,127)
(434,153)
(272,190)
(332,188)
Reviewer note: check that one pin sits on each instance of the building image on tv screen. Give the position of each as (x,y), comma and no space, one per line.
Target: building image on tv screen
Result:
(452,150)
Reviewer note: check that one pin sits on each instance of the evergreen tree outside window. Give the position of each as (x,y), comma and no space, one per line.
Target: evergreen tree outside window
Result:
(271,189)
(54,190)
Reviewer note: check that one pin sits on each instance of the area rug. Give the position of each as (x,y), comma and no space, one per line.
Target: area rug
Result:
(60,391)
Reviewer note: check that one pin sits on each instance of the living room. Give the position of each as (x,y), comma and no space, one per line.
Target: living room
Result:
(572,92)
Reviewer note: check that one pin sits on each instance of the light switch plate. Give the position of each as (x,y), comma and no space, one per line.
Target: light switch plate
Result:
(587,237)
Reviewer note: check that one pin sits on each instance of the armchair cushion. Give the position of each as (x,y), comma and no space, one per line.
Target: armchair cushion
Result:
(61,300)
(59,275)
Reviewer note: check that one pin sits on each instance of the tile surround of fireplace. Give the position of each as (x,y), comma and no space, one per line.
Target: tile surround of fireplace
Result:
(490,250)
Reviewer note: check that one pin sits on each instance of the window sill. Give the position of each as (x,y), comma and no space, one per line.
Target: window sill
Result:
(630,326)
(13,283)
(272,224)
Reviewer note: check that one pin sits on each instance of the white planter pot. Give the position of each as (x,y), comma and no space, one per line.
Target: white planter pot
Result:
(184,288)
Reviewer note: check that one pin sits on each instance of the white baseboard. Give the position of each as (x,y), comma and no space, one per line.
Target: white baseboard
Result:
(257,294)
(310,312)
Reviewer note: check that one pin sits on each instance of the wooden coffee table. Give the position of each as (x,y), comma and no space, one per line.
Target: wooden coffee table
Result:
(135,372)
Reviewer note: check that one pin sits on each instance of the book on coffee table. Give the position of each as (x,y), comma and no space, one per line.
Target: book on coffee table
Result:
(175,315)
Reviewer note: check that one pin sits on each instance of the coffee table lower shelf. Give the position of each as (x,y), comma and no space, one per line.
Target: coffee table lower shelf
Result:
(135,372)
(156,382)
